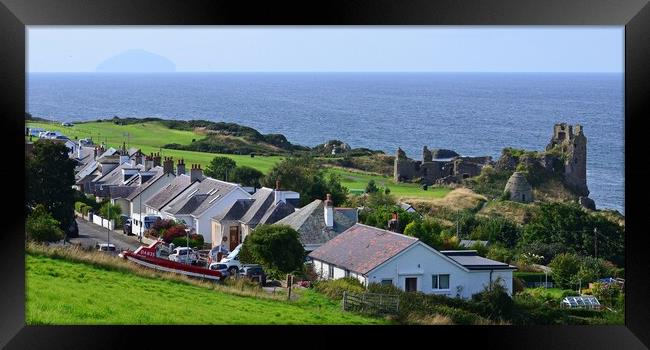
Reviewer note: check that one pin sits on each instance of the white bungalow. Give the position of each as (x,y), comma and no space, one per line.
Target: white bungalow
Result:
(373,255)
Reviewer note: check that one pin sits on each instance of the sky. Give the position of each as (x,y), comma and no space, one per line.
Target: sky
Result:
(334,49)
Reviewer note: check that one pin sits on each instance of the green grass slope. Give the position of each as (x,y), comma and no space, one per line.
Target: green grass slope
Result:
(63,292)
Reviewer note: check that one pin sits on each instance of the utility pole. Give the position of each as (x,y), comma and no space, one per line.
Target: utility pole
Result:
(595,242)
(108,225)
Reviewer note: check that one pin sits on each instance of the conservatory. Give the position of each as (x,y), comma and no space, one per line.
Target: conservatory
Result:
(581,302)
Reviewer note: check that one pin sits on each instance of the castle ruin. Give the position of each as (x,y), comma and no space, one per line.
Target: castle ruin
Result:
(437,166)
(572,143)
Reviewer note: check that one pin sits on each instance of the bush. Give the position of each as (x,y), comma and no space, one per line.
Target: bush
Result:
(174,232)
(196,241)
(494,302)
(276,247)
(334,288)
(42,227)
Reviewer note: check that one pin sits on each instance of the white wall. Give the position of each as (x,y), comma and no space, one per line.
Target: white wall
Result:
(145,196)
(203,224)
(430,263)
(98,220)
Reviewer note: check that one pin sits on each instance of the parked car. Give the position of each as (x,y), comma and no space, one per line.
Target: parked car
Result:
(86,142)
(184,255)
(223,268)
(232,260)
(66,124)
(105,247)
(126,226)
(253,272)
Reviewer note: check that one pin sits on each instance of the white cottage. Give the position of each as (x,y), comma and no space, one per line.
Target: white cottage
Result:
(373,255)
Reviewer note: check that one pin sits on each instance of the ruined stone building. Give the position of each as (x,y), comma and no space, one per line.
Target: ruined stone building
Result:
(519,188)
(573,145)
(437,166)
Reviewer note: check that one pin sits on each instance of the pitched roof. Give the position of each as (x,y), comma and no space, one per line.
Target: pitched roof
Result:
(169,192)
(362,248)
(235,210)
(309,221)
(114,177)
(132,151)
(158,171)
(276,212)
(121,191)
(264,197)
(470,260)
(200,196)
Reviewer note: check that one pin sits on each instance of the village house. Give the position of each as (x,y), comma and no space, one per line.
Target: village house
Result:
(236,222)
(319,221)
(201,201)
(373,255)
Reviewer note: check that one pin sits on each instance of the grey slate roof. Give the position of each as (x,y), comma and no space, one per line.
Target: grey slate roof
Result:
(309,221)
(263,197)
(235,211)
(114,177)
(132,151)
(362,248)
(276,212)
(199,197)
(121,191)
(470,260)
(169,192)
(159,174)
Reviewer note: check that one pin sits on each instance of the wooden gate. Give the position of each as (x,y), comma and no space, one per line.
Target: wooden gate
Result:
(372,303)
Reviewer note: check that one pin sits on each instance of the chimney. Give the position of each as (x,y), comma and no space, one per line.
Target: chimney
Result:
(180,167)
(196,174)
(148,163)
(329,211)
(138,158)
(156,160)
(168,165)
(393,224)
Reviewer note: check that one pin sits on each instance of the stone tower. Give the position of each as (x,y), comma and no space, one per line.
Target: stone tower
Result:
(573,145)
(519,188)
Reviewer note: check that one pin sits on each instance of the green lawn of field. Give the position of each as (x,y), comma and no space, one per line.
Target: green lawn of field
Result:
(151,136)
(62,292)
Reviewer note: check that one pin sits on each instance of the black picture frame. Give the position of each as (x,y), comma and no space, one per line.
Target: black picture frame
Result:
(634,15)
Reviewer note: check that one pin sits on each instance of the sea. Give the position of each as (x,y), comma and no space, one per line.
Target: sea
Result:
(471,113)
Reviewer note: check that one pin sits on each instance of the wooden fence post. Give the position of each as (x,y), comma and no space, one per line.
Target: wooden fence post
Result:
(344,297)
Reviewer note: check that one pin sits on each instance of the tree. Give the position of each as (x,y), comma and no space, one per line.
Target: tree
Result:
(110,211)
(247,176)
(303,175)
(427,230)
(497,230)
(276,247)
(49,179)
(564,268)
(221,168)
(494,301)
(371,187)
(42,227)
(570,226)
(379,216)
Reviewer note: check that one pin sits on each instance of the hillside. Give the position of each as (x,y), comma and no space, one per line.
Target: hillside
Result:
(64,292)
(152,135)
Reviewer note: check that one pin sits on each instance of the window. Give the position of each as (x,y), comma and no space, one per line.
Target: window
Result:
(387,282)
(440,281)
(330,272)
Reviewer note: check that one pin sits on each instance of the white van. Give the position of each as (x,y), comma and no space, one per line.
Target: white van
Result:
(232,260)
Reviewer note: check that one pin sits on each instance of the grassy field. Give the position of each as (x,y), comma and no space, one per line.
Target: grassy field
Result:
(64,292)
(151,136)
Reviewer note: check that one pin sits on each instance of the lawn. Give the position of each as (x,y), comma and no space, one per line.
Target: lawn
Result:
(151,136)
(63,292)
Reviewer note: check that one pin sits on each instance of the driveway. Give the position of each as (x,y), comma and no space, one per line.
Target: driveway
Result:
(91,234)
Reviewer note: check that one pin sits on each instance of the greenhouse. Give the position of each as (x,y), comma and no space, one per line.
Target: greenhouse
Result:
(581,302)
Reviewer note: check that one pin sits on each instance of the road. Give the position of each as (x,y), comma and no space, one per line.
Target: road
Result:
(91,234)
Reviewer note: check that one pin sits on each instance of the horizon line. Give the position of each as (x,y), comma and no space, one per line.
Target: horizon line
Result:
(326,71)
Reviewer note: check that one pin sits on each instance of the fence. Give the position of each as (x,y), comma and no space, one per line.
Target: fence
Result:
(98,220)
(371,303)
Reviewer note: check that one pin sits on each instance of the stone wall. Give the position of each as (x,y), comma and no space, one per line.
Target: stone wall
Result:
(430,170)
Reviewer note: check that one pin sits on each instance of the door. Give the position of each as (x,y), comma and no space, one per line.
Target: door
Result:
(411,284)
(234,237)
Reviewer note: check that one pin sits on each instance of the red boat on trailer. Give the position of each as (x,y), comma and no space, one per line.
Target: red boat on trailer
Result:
(150,257)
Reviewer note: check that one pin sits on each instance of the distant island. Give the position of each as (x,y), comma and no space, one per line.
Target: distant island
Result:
(136,61)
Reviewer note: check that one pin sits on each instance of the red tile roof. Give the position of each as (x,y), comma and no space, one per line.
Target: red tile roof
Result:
(362,248)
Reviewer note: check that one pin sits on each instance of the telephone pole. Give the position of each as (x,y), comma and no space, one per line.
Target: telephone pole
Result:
(595,242)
